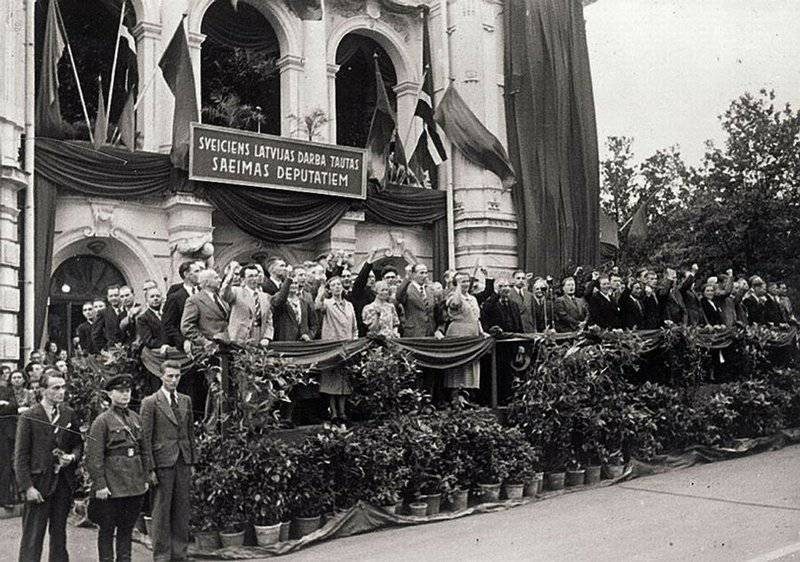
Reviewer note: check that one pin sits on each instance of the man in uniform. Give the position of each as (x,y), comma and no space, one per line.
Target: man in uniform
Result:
(116,468)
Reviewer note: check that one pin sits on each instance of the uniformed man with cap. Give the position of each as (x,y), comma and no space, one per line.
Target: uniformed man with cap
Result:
(117,472)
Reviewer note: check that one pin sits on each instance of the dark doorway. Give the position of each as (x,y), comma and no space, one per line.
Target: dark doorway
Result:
(77,280)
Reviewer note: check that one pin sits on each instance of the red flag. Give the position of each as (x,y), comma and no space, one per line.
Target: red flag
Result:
(381,132)
(472,138)
(48,108)
(176,66)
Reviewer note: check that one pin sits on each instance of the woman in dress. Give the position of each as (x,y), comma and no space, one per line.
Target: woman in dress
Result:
(465,320)
(338,323)
(380,316)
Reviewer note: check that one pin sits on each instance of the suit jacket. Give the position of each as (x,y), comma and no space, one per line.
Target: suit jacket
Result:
(173,313)
(418,321)
(150,330)
(675,304)
(603,311)
(34,463)
(652,306)
(85,339)
(361,295)
(105,330)
(774,312)
(270,287)
(712,312)
(631,310)
(569,313)
(8,415)
(525,304)
(505,316)
(203,318)
(165,436)
(241,324)
(284,320)
(755,309)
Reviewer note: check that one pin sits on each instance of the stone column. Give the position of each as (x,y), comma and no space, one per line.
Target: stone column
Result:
(332,70)
(291,69)
(150,113)
(188,226)
(485,224)
(314,95)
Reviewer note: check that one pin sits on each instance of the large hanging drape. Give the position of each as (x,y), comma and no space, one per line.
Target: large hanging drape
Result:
(270,215)
(243,28)
(552,135)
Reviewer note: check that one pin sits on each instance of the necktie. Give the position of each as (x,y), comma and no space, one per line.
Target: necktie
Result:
(174,405)
(55,413)
(220,305)
(257,309)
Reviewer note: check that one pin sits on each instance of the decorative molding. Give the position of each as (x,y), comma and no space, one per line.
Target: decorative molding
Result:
(146,30)
(103,221)
(406,88)
(333,69)
(290,62)
(195,40)
(488,27)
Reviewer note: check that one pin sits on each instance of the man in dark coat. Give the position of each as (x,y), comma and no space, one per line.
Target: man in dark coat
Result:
(603,311)
(176,300)
(631,307)
(361,293)
(569,311)
(105,330)
(84,330)
(46,454)
(499,311)
(149,327)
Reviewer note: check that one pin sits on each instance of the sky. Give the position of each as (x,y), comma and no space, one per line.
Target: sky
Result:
(664,70)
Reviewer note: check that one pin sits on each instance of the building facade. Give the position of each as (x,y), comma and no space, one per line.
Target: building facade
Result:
(147,239)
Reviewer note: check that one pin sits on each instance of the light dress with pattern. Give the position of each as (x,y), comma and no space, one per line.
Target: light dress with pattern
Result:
(465,315)
(338,323)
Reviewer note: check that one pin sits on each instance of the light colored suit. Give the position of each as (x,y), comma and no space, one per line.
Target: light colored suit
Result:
(242,322)
(203,318)
(418,319)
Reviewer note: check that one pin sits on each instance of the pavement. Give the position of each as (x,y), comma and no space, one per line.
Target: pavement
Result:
(746,509)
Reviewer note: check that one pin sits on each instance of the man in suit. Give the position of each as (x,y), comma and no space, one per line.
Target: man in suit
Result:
(361,293)
(105,331)
(47,450)
(603,311)
(293,318)
(542,306)
(630,306)
(127,318)
(276,268)
(168,451)
(176,300)
(651,300)
(205,314)
(774,312)
(417,303)
(522,296)
(499,311)
(569,311)
(675,305)
(149,328)
(754,301)
(251,311)
(84,331)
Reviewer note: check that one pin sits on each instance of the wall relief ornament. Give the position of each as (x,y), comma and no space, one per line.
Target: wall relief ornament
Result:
(102,221)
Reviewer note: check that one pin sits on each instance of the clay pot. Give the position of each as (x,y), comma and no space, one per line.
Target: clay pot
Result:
(513,491)
(267,534)
(575,478)
(554,480)
(490,492)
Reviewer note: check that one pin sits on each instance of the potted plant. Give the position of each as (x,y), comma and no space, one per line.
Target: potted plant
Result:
(272,469)
(575,475)
(311,490)
(519,457)
(613,464)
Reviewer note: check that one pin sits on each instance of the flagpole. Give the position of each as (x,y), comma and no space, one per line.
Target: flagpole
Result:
(152,78)
(114,64)
(74,71)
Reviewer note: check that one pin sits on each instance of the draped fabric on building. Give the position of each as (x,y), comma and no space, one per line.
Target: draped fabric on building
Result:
(241,28)
(552,135)
(273,216)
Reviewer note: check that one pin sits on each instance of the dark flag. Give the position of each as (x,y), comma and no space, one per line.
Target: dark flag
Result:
(100,123)
(472,138)
(176,66)
(381,132)
(48,107)
(127,123)
(636,227)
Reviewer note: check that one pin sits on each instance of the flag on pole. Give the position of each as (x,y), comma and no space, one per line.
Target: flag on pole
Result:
(127,122)
(424,110)
(472,138)
(381,131)
(48,107)
(131,42)
(636,226)
(100,123)
(176,66)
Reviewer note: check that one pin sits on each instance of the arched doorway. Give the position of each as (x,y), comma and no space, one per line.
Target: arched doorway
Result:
(240,82)
(355,86)
(77,280)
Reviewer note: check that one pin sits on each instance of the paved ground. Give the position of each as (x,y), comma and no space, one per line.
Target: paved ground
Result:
(748,509)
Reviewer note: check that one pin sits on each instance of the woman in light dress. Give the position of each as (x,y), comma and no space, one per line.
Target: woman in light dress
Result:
(465,320)
(338,323)
(380,317)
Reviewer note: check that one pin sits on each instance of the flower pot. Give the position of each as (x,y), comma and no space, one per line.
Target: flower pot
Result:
(305,525)
(434,502)
(533,486)
(554,480)
(459,500)
(235,538)
(575,478)
(148,525)
(390,508)
(490,492)
(613,471)
(592,474)
(419,509)
(513,491)
(286,527)
(540,482)
(267,534)
(206,541)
